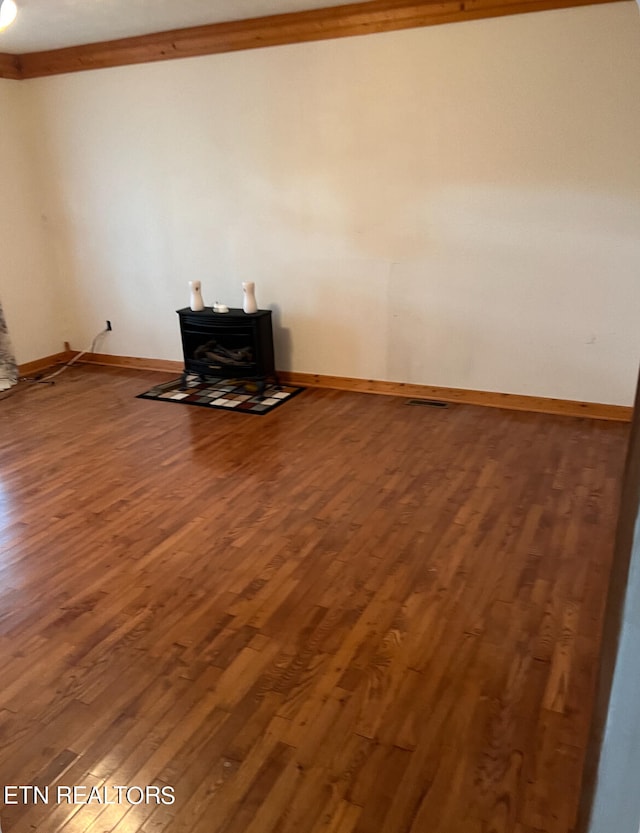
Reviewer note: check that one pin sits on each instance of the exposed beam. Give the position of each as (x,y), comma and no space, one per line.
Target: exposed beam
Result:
(298,27)
(10,66)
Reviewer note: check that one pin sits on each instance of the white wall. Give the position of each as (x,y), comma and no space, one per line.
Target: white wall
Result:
(28,284)
(456,205)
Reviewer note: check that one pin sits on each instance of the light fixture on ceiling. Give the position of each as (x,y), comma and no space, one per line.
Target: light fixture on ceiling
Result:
(8,12)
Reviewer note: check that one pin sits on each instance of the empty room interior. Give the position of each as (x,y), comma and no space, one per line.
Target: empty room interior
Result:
(382,578)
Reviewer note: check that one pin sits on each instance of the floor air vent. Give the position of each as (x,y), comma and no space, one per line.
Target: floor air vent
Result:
(430,403)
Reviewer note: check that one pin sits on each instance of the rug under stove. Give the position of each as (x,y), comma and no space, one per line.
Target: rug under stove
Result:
(225,394)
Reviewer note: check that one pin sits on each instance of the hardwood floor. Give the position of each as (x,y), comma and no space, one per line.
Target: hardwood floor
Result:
(348,616)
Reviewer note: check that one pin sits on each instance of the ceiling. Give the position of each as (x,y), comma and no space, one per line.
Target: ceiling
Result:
(52,24)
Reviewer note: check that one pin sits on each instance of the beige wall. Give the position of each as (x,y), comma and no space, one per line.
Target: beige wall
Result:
(456,205)
(28,286)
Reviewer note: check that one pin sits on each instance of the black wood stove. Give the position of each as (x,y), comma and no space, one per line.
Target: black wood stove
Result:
(230,345)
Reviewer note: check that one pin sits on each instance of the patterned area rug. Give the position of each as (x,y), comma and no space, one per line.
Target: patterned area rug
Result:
(227,394)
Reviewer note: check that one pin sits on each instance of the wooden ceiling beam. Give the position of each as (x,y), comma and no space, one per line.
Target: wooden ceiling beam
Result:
(274,30)
(10,66)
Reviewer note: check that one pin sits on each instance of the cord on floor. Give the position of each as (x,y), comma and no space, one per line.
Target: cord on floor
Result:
(48,380)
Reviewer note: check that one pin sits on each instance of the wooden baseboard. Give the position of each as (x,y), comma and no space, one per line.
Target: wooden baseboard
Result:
(511,401)
(132,362)
(36,366)
(488,399)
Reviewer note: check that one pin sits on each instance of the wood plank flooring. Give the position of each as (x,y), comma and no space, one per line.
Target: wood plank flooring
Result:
(349,616)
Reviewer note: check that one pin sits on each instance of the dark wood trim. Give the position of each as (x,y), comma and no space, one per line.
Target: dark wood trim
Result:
(510,401)
(627,541)
(273,30)
(10,66)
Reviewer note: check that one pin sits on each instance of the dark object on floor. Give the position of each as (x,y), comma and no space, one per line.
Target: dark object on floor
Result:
(233,343)
(227,394)
(431,403)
